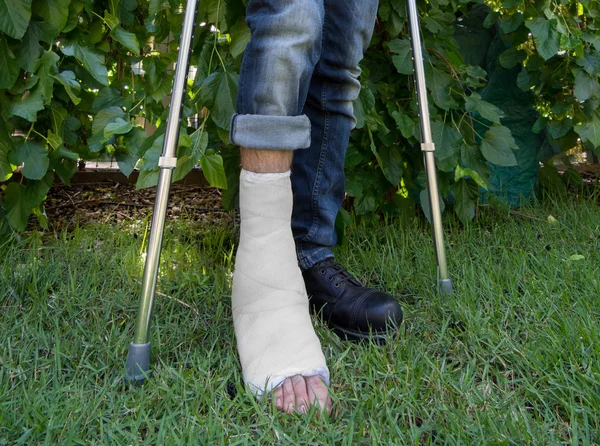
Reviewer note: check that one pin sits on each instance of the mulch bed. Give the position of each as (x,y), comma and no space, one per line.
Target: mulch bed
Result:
(83,204)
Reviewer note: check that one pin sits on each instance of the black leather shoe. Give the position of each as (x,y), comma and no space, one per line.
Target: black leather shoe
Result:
(353,311)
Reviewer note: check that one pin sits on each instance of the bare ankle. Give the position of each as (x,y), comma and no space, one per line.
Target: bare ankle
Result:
(266,161)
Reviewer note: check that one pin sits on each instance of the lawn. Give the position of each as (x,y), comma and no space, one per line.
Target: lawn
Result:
(512,358)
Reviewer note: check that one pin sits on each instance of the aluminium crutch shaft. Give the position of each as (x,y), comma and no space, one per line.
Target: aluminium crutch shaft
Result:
(138,360)
(428,148)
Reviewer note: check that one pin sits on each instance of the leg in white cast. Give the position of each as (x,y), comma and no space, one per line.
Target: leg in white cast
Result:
(277,344)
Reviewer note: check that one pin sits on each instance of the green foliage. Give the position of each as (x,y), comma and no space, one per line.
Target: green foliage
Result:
(83,79)
(554,44)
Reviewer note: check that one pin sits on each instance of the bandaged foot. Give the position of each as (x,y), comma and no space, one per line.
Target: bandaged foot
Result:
(275,337)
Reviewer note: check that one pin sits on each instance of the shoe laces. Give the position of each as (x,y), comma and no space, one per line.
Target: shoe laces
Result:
(337,273)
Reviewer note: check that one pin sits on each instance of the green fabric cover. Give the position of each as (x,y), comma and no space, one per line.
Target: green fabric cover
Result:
(482,47)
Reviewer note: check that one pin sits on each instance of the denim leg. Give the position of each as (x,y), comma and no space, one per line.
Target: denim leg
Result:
(318,172)
(275,75)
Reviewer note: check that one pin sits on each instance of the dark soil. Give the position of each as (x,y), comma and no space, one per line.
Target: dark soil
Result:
(83,204)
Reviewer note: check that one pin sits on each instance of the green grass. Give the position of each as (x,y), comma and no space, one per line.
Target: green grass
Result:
(512,358)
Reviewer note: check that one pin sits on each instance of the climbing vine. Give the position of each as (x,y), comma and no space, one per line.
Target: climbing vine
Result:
(86,79)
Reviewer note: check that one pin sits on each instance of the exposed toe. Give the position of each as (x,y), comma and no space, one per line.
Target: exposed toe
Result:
(299,393)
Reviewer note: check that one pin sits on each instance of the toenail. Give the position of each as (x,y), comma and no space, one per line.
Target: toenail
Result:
(303,409)
(278,402)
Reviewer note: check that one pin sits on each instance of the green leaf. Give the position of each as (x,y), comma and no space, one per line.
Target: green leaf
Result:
(28,106)
(365,203)
(511,23)
(437,21)
(218,93)
(126,161)
(102,119)
(147,178)
(539,125)
(560,127)
(57,116)
(14,17)
(402,58)
(240,36)
(590,62)
(92,60)
(188,160)
(62,152)
(471,157)
(34,158)
(447,140)
(354,189)
(17,209)
(154,7)
(36,190)
(474,103)
(403,123)
(465,172)
(127,39)
(439,83)
(134,140)
(545,35)
(64,168)
(105,117)
(68,80)
(363,106)
(30,49)
(112,21)
(477,73)
(185,164)
(590,130)
(47,69)
(54,12)
(588,36)
(391,163)
(212,168)
(586,86)
(6,147)
(497,144)
(512,57)
(524,80)
(107,97)
(156,77)
(118,127)
(465,192)
(151,156)
(10,67)
(125,10)
(53,140)
(491,19)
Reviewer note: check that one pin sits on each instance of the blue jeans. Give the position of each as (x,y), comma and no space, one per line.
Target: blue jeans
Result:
(298,80)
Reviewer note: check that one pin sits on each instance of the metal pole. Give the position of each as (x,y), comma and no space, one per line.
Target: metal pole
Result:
(428,148)
(138,360)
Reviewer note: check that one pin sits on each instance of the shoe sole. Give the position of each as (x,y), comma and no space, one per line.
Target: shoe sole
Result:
(357,336)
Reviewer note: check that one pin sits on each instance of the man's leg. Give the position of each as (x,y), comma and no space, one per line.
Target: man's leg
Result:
(318,174)
(279,350)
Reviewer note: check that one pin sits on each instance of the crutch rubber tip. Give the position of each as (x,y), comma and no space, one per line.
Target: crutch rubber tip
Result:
(138,363)
(446,287)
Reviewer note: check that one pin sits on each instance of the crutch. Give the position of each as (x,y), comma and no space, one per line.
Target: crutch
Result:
(138,360)
(428,149)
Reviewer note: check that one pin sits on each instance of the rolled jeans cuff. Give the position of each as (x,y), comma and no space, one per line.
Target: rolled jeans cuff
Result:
(266,132)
